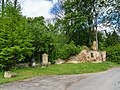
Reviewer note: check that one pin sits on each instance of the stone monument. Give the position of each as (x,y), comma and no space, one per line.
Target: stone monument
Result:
(45,59)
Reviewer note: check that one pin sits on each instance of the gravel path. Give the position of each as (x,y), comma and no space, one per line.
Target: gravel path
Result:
(108,80)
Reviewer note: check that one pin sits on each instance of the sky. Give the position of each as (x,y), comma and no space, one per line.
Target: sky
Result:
(35,8)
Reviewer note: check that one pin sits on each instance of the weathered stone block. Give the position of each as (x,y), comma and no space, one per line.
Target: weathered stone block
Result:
(104,56)
(59,61)
(94,47)
(45,59)
(9,74)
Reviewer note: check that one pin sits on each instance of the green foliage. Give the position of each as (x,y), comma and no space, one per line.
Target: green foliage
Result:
(78,21)
(14,41)
(113,53)
(43,37)
(50,40)
(58,41)
(108,40)
(112,39)
(68,50)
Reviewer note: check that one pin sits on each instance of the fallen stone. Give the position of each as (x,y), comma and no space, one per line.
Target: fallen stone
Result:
(73,61)
(9,74)
(59,61)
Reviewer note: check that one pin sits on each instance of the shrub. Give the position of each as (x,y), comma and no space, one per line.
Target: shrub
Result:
(68,50)
(10,56)
(113,53)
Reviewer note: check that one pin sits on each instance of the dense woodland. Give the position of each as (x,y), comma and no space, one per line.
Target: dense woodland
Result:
(23,38)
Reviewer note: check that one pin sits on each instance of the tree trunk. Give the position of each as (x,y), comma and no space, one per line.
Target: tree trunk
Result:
(2,7)
(15,4)
(95,23)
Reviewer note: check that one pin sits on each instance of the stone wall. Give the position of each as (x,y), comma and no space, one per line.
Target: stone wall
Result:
(88,56)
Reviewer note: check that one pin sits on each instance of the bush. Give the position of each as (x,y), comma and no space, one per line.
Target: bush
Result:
(9,57)
(113,53)
(68,50)
(64,51)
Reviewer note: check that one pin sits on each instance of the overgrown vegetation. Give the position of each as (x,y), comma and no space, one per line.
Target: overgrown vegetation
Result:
(23,39)
(15,42)
(113,53)
(58,70)
(67,50)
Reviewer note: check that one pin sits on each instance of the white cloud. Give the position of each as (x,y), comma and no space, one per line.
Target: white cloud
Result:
(35,8)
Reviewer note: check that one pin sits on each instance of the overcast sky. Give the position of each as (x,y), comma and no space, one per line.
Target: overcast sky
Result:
(35,8)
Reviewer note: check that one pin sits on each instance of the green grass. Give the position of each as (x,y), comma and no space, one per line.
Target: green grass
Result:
(80,68)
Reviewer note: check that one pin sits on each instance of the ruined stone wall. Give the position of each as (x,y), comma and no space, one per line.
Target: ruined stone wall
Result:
(88,56)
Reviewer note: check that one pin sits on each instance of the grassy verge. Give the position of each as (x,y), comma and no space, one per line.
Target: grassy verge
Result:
(58,70)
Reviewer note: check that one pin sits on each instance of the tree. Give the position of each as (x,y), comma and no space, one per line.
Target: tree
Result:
(46,39)
(111,17)
(81,18)
(41,36)
(112,39)
(14,41)
(5,3)
(78,21)
(15,3)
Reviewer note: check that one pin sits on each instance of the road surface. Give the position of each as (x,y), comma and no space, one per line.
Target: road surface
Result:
(108,80)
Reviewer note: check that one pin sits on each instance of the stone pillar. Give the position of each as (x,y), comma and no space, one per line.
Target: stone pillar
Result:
(45,59)
(94,47)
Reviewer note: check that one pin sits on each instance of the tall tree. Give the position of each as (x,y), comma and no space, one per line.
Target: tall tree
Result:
(14,41)
(77,21)
(111,17)
(41,36)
